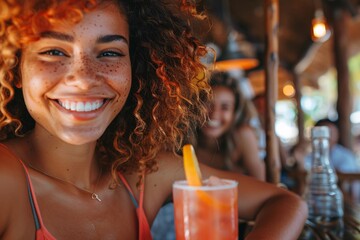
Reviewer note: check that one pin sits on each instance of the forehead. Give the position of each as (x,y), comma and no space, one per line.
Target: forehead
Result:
(104,16)
(222,92)
(62,15)
(107,13)
(223,89)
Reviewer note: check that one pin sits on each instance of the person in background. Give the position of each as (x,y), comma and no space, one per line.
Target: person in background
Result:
(96,99)
(341,158)
(228,140)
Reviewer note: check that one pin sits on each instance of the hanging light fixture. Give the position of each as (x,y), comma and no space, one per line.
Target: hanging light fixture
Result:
(238,53)
(320,31)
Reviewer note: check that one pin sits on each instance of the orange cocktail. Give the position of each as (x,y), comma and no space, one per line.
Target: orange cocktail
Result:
(206,212)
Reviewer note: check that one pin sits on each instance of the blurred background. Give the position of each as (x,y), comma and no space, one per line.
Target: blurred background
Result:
(319,65)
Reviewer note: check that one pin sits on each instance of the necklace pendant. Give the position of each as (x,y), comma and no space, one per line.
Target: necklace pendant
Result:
(95,197)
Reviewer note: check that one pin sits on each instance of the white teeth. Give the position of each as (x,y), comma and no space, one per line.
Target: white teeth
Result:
(213,123)
(81,106)
(88,107)
(72,106)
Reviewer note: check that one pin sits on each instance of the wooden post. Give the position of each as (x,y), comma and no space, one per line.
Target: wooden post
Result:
(300,113)
(345,97)
(272,160)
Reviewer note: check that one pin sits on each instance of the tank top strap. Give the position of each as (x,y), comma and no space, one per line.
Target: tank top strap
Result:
(128,188)
(33,202)
(41,232)
(144,227)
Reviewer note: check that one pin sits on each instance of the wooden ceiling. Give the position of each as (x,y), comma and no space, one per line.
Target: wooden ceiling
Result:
(297,52)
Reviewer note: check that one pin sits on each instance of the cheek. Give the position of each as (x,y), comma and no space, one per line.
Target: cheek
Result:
(228,116)
(119,75)
(37,79)
(42,75)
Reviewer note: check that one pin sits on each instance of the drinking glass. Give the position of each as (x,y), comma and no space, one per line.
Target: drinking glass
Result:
(206,212)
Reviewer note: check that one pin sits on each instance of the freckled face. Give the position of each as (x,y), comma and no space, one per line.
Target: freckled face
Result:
(221,112)
(76,79)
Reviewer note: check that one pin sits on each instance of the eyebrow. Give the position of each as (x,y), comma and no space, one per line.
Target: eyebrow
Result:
(111,38)
(69,38)
(57,35)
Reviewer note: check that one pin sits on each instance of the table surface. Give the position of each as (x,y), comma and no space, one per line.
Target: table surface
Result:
(348,228)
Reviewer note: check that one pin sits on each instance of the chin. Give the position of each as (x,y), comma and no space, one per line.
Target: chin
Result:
(80,139)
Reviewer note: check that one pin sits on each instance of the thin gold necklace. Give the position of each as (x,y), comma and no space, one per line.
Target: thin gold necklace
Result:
(94,195)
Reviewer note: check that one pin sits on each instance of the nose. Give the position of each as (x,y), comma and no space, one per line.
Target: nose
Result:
(84,73)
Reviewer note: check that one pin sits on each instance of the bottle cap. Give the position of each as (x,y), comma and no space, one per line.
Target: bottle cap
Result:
(320,132)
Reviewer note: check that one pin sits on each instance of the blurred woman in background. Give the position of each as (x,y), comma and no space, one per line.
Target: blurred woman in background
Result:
(229,140)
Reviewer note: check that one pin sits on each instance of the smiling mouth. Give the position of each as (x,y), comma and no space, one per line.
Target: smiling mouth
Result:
(213,123)
(81,106)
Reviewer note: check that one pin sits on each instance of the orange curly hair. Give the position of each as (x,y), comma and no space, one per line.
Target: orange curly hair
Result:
(169,85)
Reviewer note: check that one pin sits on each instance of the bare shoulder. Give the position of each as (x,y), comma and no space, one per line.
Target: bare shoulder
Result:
(12,185)
(245,136)
(16,218)
(158,187)
(171,163)
(170,168)
(10,166)
(245,131)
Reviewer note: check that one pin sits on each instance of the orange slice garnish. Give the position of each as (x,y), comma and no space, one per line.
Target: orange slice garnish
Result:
(214,203)
(193,177)
(191,166)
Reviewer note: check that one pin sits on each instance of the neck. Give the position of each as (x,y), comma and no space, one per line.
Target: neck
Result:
(92,188)
(71,163)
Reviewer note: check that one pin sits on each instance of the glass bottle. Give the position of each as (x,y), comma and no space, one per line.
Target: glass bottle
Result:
(324,198)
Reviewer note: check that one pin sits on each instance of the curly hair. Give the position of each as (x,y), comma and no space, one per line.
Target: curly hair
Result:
(169,83)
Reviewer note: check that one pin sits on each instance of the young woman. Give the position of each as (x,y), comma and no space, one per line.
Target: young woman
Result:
(95,99)
(228,140)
